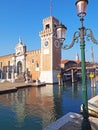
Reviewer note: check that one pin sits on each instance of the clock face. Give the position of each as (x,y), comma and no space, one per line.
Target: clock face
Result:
(57,44)
(46,43)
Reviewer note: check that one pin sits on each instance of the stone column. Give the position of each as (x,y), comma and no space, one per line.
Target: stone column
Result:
(12,75)
(7,73)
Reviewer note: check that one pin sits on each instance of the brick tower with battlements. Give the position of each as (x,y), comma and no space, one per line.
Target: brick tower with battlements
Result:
(50,51)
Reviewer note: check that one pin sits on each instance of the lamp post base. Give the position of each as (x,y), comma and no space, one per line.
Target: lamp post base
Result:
(85,124)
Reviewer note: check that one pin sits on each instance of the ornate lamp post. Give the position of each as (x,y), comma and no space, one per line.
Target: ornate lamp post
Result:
(80,34)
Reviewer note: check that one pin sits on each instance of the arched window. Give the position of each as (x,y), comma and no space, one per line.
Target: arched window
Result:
(47,26)
(19,67)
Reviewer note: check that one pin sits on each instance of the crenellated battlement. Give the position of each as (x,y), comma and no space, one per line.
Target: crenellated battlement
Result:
(45,32)
(35,52)
(50,18)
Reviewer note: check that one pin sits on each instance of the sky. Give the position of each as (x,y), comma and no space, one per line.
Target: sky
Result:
(23,18)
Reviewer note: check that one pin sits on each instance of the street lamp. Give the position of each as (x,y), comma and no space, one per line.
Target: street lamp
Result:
(82,34)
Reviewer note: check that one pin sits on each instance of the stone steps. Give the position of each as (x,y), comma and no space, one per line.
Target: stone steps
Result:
(92,106)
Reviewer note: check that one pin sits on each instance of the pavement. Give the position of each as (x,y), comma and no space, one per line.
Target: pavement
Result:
(7,86)
(76,124)
(72,121)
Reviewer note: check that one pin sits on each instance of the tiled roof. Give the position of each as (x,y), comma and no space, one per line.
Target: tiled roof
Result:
(65,61)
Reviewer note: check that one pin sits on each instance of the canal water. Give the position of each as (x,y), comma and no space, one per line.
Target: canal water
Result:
(34,108)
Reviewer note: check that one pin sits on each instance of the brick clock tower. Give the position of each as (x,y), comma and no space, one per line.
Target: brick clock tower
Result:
(50,51)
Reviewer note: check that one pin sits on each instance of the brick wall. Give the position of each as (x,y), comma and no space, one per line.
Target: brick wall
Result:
(32,59)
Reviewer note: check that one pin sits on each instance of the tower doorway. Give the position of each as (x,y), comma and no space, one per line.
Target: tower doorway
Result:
(19,67)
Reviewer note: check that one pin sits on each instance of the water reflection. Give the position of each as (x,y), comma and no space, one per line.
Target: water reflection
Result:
(76,89)
(93,90)
(34,103)
(35,108)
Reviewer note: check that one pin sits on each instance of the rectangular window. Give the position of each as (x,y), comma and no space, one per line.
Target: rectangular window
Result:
(32,60)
